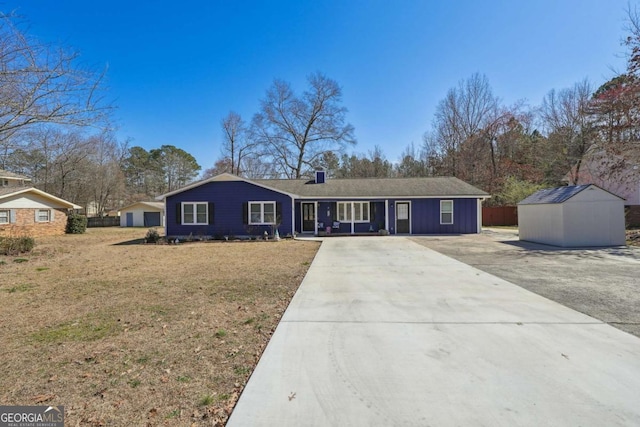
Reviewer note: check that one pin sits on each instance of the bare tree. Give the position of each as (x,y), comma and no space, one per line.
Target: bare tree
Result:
(106,180)
(569,127)
(296,131)
(53,159)
(40,83)
(237,147)
(222,165)
(463,140)
(466,112)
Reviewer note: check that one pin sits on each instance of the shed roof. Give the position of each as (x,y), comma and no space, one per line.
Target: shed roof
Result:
(556,195)
(154,205)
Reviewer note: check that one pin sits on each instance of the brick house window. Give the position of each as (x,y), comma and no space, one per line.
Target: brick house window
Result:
(43,215)
(4,217)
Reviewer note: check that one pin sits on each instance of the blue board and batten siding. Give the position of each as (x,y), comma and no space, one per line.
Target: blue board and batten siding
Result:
(425,217)
(229,200)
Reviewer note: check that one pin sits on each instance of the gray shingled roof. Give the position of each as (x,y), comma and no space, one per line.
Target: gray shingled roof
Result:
(376,187)
(7,174)
(156,205)
(9,190)
(554,195)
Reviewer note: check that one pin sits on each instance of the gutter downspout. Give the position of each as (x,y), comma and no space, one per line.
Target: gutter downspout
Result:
(293,217)
(164,200)
(386,215)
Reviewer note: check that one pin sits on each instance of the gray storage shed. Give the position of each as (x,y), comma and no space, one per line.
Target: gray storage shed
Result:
(142,214)
(573,216)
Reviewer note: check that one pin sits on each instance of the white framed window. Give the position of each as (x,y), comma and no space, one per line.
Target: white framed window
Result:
(4,217)
(353,211)
(43,215)
(262,213)
(446,212)
(195,213)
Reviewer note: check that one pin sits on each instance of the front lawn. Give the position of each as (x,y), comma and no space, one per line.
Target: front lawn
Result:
(134,334)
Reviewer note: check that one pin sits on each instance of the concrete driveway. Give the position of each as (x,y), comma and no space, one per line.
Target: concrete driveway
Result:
(384,331)
(601,282)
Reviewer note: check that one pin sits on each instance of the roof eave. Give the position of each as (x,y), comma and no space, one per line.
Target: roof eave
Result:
(41,193)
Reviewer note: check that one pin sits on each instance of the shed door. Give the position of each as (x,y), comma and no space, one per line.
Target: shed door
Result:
(152,219)
(129,219)
(402,218)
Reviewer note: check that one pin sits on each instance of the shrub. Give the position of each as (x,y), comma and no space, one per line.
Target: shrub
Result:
(16,245)
(152,236)
(76,224)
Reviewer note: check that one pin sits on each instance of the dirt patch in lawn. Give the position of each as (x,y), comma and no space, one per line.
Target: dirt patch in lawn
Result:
(140,334)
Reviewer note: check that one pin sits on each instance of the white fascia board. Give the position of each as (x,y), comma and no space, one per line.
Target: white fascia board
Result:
(41,193)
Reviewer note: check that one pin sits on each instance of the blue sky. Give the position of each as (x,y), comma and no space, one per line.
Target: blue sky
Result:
(175,69)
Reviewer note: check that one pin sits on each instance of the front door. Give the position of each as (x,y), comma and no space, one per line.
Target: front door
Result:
(402,218)
(308,217)
(129,219)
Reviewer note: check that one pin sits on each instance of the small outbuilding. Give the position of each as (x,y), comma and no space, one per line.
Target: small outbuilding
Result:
(573,216)
(142,214)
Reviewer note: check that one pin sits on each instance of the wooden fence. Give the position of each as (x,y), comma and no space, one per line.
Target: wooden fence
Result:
(632,215)
(500,215)
(106,221)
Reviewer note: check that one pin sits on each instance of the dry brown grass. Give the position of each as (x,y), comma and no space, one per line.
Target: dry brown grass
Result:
(140,334)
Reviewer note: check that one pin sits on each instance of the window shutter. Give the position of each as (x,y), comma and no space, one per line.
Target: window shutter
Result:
(211,213)
(372,212)
(52,217)
(12,216)
(245,213)
(36,216)
(178,213)
(334,211)
(278,212)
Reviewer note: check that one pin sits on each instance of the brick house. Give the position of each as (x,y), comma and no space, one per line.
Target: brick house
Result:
(25,210)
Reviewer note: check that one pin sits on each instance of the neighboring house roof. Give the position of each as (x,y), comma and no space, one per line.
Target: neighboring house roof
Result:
(13,191)
(153,205)
(358,187)
(11,175)
(556,195)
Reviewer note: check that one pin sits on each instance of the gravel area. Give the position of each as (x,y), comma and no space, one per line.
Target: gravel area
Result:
(601,282)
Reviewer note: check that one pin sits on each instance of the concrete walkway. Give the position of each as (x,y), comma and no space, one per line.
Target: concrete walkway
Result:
(386,332)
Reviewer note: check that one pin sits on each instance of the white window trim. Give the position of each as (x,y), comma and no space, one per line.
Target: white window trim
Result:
(441,212)
(364,208)
(8,212)
(195,213)
(37,216)
(262,205)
